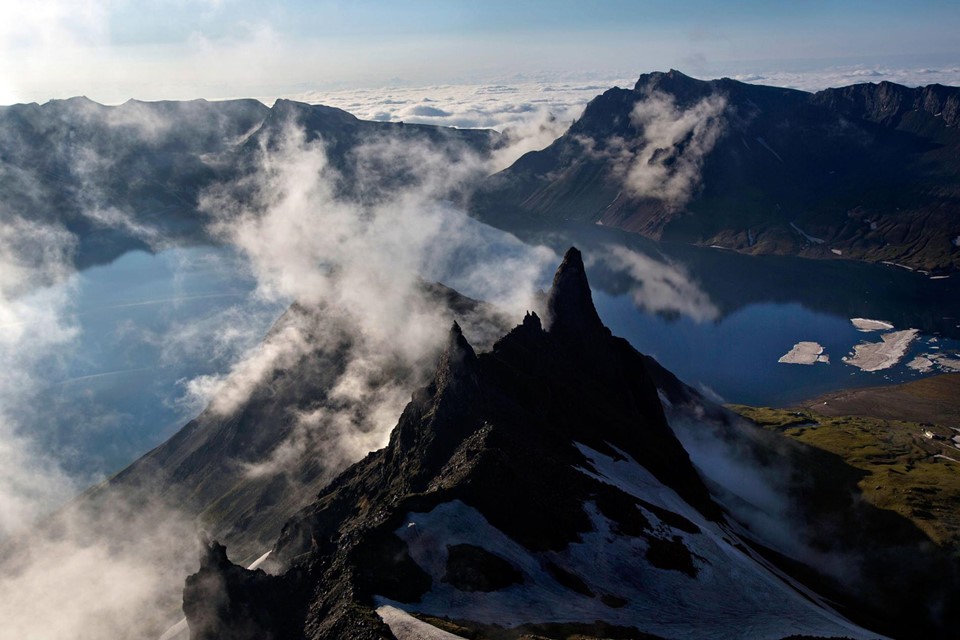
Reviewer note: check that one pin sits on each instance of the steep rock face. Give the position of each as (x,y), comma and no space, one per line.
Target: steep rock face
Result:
(887,103)
(867,170)
(538,482)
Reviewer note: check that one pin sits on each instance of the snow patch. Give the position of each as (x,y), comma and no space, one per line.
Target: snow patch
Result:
(259,561)
(806,235)
(179,631)
(942,362)
(836,252)
(866,324)
(805,353)
(660,601)
(897,264)
(876,356)
(764,144)
(405,627)
(664,400)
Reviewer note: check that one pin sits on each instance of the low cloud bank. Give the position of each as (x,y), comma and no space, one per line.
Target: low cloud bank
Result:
(531,115)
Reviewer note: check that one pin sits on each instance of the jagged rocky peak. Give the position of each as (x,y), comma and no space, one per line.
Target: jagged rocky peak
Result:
(219,590)
(668,78)
(570,308)
(439,416)
(457,355)
(679,85)
(538,481)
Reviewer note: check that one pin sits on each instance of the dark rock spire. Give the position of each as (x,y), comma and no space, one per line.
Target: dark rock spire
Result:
(570,310)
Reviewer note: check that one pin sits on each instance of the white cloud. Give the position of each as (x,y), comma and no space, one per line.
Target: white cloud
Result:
(359,265)
(661,287)
(493,106)
(530,114)
(117,575)
(35,324)
(844,75)
(675,142)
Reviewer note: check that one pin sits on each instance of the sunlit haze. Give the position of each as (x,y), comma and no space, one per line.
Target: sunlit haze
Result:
(114,50)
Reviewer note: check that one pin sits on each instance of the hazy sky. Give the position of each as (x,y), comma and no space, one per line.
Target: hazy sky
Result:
(111,50)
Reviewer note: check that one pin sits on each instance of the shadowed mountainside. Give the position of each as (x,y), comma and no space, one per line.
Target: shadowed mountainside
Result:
(869,171)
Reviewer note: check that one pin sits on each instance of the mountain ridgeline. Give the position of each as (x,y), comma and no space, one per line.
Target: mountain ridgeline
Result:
(131,176)
(868,171)
(535,488)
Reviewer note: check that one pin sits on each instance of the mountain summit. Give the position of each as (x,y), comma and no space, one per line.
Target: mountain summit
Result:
(866,171)
(532,489)
(570,304)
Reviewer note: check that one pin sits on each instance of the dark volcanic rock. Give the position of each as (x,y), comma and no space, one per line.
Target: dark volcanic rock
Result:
(213,600)
(488,489)
(472,568)
(496,432)
(203,468)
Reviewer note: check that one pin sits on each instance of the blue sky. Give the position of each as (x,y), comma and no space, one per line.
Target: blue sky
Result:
(111,50)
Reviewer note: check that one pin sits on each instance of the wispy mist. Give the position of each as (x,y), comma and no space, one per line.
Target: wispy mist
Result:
(354,246)
(109,573)
(666,162)
(661,286)
(35,323)
(359,263)
(101,574)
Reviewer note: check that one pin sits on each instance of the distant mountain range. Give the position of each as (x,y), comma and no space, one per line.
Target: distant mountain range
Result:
(869,171)
(125,177)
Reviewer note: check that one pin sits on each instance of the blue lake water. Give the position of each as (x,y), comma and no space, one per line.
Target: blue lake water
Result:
(147,323)
(721,320)
(737,357)
(150,322)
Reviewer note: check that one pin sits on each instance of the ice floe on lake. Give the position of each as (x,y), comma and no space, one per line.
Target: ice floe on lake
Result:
(876,356)
(866,324)
(805,353)
(927,362)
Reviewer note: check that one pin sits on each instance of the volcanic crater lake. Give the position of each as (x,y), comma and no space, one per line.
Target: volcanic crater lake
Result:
(719,320)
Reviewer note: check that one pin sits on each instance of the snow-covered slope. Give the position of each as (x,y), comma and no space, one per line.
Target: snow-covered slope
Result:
(726,591)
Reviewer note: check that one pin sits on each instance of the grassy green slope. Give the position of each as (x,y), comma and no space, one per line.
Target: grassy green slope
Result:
(910,468)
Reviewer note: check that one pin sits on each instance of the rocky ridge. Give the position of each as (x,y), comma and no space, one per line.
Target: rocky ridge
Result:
(502,479)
